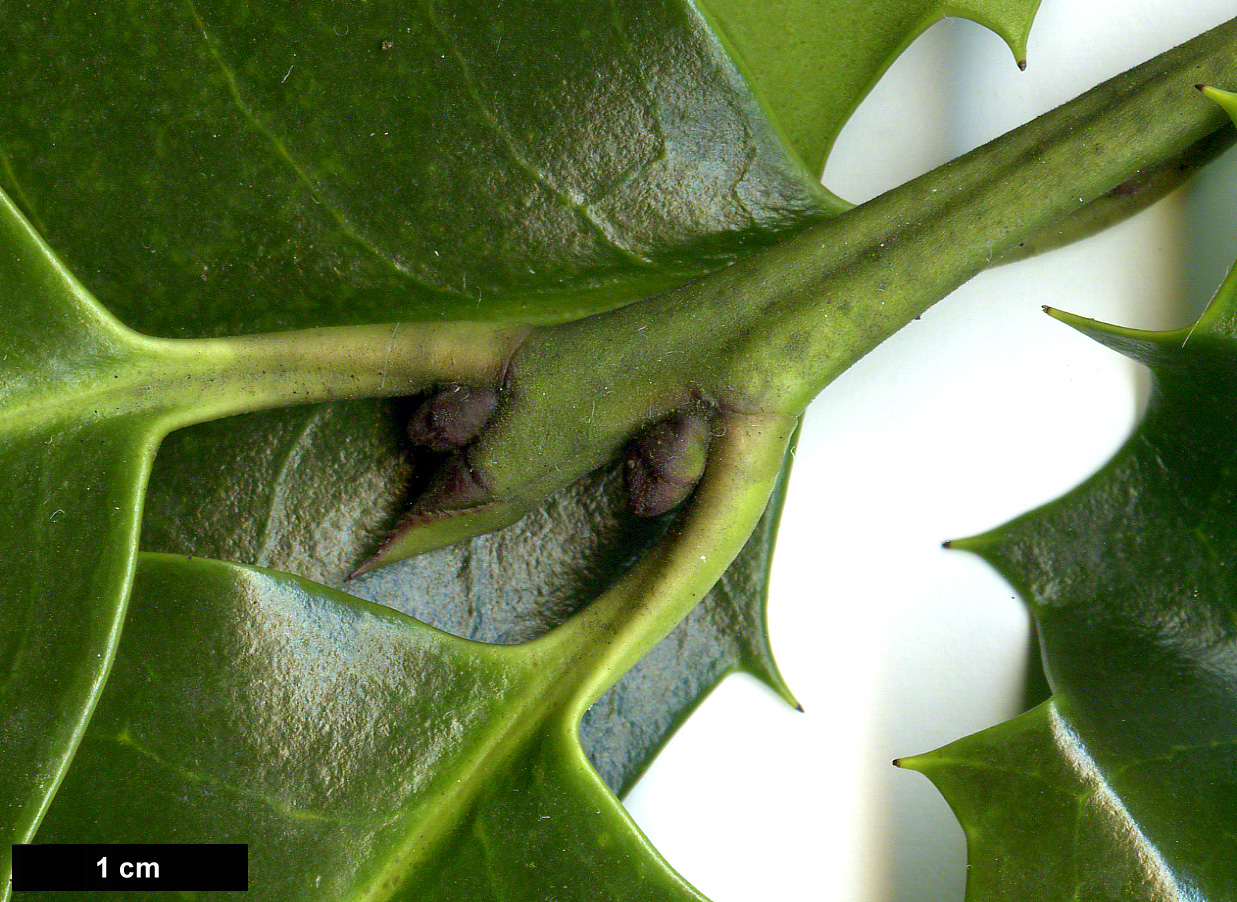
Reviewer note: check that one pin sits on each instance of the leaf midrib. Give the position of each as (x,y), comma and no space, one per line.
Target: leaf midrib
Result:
(544,698)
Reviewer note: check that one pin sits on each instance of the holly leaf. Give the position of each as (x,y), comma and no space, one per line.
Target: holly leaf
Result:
(303,175)
(358,752)
(812,62)
(1124,784)
(263,490)
(66,408)
(268,202)
(402,762)
(325,163)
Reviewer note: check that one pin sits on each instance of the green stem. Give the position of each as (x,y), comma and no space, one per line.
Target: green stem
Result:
(237,375)
(192,381)
(602,642)
(761,339)
(769,333)
(800,314)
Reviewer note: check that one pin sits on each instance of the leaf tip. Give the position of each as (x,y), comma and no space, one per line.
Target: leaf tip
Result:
(1022,64)
(365,566)
(920,764)
(974,544)
(373,562)
(988,546)
(1226,99)
(1143,346)
(767,672)
(1009,21)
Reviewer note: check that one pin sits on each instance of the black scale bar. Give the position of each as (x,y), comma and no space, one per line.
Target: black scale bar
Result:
(86,867)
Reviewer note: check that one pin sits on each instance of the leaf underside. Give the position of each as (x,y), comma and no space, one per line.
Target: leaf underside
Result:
(261,490)
(375,164)
(335,164)
(345,738)
(348,172)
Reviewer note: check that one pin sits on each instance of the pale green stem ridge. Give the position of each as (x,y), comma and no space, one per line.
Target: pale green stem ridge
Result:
(192,381)
(235,375)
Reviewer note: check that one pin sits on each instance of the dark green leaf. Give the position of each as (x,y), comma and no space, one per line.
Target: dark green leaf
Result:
(359,753)
(452,580)
(1124,785)
(529,160)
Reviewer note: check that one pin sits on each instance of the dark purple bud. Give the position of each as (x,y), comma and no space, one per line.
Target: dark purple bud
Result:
(456,485)
(667,460)
(452,418)
(454,490)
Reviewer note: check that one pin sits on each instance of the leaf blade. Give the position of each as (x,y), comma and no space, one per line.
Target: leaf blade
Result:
(335,477)
(1129,578)
(57,649)
(64,608)
(1081,832)
(434,191)
(402,713)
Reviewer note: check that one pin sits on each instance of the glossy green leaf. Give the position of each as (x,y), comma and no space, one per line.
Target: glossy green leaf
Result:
(325,162)
(68,541)
(1124,785)
(399,761)
(265,490)
(84,402)
(359,753)
(232,518)
(647,601)
(812,62)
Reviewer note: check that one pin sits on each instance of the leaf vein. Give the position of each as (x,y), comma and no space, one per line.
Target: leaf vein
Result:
(315,190)
(125,739)
(20,195)
(276,499)
(582,206)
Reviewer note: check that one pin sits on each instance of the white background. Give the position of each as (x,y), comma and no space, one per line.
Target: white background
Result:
(980,411)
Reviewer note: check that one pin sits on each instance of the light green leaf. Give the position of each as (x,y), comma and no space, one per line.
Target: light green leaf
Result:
(812,62)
